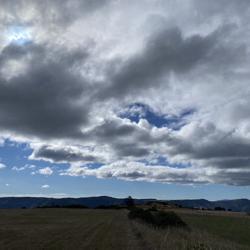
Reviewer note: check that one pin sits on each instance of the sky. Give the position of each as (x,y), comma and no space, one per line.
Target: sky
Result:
(146,98)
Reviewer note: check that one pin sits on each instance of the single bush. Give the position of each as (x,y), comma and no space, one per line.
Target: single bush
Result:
(139,213)
(157,218)
(165,219)
(153,209)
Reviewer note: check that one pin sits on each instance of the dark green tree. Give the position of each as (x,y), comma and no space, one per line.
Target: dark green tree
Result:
(129,202)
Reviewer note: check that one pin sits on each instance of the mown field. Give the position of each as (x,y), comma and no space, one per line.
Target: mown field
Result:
(111,229)
(234,227)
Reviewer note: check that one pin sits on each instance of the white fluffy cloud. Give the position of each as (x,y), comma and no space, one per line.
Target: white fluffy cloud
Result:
(70,87)
(2,165)
(137,171)
(25,167)
(45,171)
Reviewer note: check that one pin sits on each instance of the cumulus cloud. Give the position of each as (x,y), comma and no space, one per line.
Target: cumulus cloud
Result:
(45,186)
(137,171)
(45,171)
(42,101)
(165,52)
(70,88)
(63,154)
(2,165)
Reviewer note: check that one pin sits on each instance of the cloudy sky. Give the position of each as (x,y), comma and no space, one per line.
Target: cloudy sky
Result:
(147,98)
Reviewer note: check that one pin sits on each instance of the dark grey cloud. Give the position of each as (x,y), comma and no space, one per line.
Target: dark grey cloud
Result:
(110,129)
(126,140)
(231,162)
(233,147)
(222,8)
(61,155)
(226,149)
(132,150)
(13,51)
(235,178)
(170,51)
(166,51)
(42,102)
(208,146)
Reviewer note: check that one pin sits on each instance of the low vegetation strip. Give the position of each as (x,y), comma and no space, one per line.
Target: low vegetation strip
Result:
(156,218)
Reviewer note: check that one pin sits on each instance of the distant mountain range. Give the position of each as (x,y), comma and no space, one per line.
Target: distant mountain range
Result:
(239,205)
(91,202)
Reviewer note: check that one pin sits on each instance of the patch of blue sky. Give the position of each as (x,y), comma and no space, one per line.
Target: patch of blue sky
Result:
(94,165)
(21,181)
(14,154)
(163,161)
(137,111)
(19,35)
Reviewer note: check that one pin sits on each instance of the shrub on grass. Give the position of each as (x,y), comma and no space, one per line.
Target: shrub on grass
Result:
(158,219)
(139,213)
(165,219)
(153,209)
(219,209)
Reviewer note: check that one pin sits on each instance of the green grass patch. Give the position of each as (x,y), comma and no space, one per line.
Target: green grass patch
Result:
(232,228)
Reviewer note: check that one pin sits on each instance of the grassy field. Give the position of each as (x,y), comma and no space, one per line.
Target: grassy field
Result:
(233,227)
(111,229)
